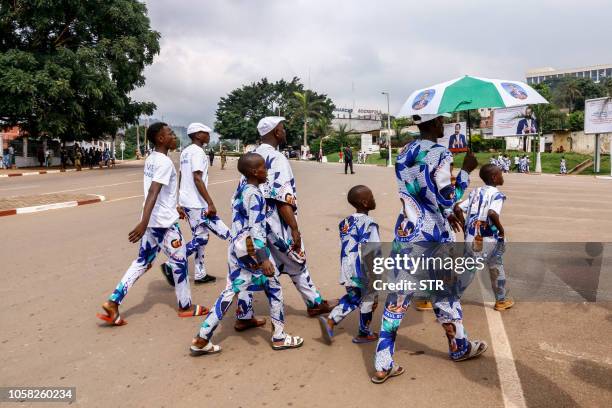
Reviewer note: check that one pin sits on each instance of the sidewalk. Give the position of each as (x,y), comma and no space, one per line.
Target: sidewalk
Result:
(43,202)
(34,171)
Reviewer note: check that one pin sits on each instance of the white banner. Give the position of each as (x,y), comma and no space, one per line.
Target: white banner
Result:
(516,121)
(455,137)
(598,115)
(366,142)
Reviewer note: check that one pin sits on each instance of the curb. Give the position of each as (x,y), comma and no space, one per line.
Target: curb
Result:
(45,207)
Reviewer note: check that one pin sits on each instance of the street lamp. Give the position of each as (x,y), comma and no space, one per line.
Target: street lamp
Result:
(389,163)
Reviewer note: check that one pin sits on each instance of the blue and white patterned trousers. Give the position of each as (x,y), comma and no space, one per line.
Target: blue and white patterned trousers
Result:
(152,242)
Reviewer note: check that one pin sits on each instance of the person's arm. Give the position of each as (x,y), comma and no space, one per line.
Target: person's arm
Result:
(256,206)
(180,210)
(287,213)
(199,183)
(140,228)
(494,217)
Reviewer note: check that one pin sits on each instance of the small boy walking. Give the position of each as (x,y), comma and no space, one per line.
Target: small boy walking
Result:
(356,230)
(196,203)
(158,229)
(249,262)
(484,231)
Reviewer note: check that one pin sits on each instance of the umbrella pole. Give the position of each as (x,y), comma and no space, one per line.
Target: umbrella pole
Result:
(469,129)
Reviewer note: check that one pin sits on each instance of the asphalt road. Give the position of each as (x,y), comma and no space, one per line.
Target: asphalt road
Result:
(60,265)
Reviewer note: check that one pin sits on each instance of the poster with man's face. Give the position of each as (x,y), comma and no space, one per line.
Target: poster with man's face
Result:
(514,121)
(455,138)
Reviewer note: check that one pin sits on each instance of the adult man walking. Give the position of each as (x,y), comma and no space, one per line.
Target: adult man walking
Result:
(348,159)
(427,193)
(284,238)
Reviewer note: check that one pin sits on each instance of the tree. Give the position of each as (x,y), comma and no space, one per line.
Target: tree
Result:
(238,112)
(342,134)
(576,121)
(308,107)
(67,67)
(322,127)
(569,91)
(606,87)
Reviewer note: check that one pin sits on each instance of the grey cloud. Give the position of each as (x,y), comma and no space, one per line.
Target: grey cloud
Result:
(212,47)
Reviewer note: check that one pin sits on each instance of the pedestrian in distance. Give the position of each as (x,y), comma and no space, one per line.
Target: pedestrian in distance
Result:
(157,230)
(211,155)
(348,159)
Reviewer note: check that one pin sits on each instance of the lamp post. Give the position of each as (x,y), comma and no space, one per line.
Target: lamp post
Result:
(389,163)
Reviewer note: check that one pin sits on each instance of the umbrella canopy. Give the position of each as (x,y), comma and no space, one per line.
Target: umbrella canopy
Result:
(467,93)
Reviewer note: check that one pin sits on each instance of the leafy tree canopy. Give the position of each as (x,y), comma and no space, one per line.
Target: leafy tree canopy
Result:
(67,66)
(238,112)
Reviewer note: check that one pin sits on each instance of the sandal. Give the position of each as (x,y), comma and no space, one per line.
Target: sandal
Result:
(477,347)
(198,310)
(209,348)
(108,318)
(290,342)
(326,331)
(242,325)
(393,372)
(365,339)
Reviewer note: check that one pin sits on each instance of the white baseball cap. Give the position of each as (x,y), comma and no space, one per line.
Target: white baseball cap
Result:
(267,124)
(427,118)
(198,127)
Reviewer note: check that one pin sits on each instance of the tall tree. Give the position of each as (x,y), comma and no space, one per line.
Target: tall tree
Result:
(308,107)
(67,67)
(238,112)
(570,92)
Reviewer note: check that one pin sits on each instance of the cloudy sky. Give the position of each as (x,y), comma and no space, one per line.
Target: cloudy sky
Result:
(210,47)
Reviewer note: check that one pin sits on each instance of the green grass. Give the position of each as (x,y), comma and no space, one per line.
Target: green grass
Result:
(550,161)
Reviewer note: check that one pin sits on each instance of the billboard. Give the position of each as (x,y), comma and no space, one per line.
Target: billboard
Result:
(598,115)
(515,121)
(366,142)
(455,137)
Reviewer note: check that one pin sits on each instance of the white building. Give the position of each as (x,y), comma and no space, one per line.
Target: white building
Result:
(596,73)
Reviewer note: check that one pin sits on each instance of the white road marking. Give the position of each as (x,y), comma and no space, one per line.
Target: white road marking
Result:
(91,187)
(512,390)
(19,188)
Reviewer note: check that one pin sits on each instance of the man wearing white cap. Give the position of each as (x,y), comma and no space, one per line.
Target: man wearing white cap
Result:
(428,194)
(284,236)
(195,202)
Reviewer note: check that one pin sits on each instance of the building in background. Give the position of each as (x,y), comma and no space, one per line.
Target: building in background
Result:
(359,121)
(596,73)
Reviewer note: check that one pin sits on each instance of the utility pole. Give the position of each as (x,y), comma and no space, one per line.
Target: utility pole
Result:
(389,163)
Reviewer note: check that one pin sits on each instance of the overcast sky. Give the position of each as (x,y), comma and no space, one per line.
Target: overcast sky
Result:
(208,48)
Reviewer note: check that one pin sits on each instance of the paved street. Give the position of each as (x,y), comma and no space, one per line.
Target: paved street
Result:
(62,264)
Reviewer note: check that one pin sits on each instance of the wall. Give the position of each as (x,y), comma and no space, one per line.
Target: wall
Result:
(578,142)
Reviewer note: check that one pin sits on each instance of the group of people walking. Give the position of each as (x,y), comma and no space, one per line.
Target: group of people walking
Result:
(265,239)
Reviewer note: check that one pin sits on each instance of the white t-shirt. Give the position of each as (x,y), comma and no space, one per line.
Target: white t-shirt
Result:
(159,168)
(193,159)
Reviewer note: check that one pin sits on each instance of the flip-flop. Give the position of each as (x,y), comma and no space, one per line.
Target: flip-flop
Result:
(290,342)
(209,348)
(393,372)
(117,321)
(249,324)
(326,331)
(167,274)
(198,310)
(365,339)
(477,347)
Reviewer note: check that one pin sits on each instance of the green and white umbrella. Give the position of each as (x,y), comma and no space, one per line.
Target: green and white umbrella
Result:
(467,93)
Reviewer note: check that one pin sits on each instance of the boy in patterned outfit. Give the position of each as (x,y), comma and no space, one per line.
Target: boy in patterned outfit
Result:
(484,233)
(355,231)
(249,262)
(158,229)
